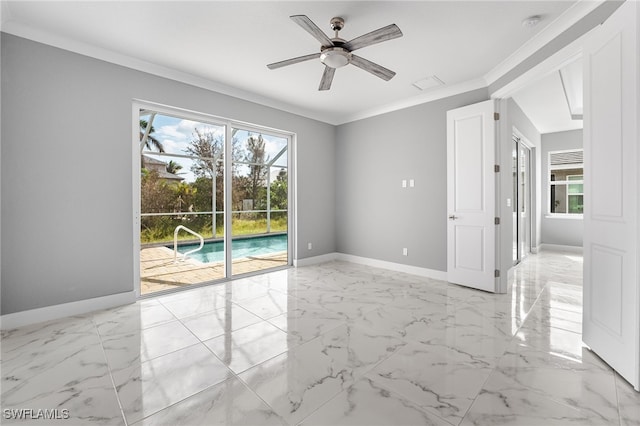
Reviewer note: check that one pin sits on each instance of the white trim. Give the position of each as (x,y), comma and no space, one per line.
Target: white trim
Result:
(568,18)
(399,267)
(430,96)
(292,195)
(382,264)
(308,261)
(48,313)
(135,190)
(559,247)
(571,216)
(106,55)
(86,49)
(522,138)
(536,249)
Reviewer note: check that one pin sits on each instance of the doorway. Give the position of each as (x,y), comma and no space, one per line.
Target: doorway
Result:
(522,201)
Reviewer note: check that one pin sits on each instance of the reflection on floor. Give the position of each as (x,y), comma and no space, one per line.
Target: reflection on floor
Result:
(158,271)
(335,343)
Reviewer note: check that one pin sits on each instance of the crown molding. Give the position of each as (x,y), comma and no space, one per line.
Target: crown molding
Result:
(430,96)
(562,23)
(74,46)
(570,17)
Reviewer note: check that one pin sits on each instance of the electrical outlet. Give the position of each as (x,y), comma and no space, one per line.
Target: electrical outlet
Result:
(405,251)
(309,246)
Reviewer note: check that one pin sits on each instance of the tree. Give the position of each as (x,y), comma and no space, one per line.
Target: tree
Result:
(156,194)
(151,141)
(255,155)
(173,167)
(208,148)
(183,195)
(279,191)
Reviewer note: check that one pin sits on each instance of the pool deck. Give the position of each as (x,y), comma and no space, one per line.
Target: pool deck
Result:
(159,272)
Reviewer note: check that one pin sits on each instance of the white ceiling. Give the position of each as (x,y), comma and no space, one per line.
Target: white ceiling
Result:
(545,103)
(225,45)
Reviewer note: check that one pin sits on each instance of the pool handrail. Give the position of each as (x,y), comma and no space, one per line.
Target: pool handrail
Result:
(175,243)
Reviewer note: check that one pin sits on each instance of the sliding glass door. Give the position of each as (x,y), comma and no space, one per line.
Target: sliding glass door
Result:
(260,200)
(521,200)
(188,175)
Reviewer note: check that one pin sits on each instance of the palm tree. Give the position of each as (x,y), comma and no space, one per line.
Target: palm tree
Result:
(151,141)
(173,167)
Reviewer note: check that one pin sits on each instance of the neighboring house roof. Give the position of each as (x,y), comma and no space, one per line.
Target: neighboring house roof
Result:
(160,168)
(168,176)
(149,161)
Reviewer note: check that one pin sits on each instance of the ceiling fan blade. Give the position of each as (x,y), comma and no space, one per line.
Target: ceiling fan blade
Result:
(293,61)
(308,25)
(327,78)
(373,68)
(378,36)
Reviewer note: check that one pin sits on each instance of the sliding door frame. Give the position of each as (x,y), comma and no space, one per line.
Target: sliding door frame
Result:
(229,125)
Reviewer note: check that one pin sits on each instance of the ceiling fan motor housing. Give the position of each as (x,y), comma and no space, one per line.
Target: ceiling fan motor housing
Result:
(335,57)
(336,52)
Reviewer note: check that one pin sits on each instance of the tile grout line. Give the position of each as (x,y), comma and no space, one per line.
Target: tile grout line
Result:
(113,383)
(615,384)
(509,344)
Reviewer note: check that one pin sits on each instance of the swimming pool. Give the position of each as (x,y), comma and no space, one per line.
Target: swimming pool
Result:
(213,251)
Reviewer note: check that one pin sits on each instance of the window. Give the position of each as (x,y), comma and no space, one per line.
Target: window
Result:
(566,184)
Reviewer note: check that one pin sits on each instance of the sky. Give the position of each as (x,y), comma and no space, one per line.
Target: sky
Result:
(176,133)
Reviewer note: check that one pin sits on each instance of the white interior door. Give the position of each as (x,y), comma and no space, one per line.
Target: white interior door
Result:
(611,318)
(471,196)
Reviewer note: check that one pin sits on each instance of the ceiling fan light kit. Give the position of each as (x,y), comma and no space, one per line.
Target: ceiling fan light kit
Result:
(335,57)
(337,53)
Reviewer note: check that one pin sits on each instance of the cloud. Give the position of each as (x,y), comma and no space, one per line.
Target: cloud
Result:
(176,134)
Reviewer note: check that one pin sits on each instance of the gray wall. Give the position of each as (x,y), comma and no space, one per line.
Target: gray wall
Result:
(375,216)
(561,231)
(513,117)
(67,171)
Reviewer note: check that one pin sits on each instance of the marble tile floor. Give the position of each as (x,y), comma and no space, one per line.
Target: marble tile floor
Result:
(330,344)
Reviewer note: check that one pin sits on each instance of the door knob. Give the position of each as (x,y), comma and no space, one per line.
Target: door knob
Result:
(453,217)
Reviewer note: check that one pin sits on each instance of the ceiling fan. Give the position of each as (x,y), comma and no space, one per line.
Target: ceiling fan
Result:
(336,52)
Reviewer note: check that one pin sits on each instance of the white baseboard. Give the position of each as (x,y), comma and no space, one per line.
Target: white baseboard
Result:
(392,266)
(558,247)
(48,313)
(399,267)
(535,249)
(314,260)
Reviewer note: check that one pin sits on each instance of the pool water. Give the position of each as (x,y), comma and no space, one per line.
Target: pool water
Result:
(213,251)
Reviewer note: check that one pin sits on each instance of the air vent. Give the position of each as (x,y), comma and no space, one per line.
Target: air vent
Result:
(566,158)
(428,83)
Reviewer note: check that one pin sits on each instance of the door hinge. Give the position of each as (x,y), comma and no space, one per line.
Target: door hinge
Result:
(496,273)
(496,168)
(496,221)
(496,116)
